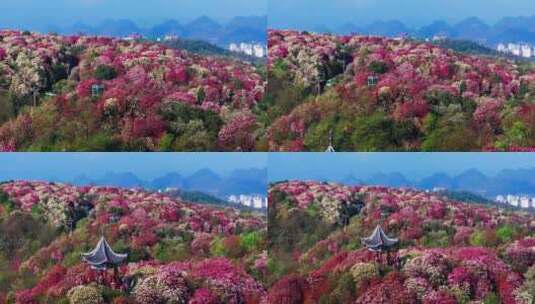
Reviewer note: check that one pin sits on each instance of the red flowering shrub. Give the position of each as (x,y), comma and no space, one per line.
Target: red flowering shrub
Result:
(454,271)
(389,290)
(137,81)
(150,227)
(3,54)
(288,290)
(238,133)
(522,254)
(422,87)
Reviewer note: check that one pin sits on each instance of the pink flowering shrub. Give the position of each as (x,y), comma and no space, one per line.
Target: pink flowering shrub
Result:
(156,230)
(119,92)
(419,269)
(522,253)
(411,82)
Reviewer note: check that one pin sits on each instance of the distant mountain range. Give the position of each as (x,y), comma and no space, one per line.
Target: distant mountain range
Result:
(517,181)
(509,29)
(245,181)
(238,29)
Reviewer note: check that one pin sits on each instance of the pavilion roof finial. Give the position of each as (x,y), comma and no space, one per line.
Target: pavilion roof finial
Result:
(330,148)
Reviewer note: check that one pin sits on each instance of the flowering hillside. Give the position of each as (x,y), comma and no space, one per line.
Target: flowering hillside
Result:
(448,251)
(177,252)
(394,94)
(98,93)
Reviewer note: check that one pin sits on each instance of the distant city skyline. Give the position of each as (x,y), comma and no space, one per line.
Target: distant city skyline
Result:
(147,166)
(414,13)
(38,14)
(414,166)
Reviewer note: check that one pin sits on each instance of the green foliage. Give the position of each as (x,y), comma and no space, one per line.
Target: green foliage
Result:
(217,247)
(201,95)
(516,135)
(7,110)
(450,138)
(378,67)
(442,102)
(491,298)
(477,238)
(439,238)
(466,46)
(279,68)
(6,202)
(251,240)
(105,72)
(378,132)
(345,289)
(280,266)
(282,96)
(189,129)
(108,294)
(506,233)
(71,258)
(37,210)
(205,48)
(201,198)
(19,230)
(295,231)
(486,238)
(171,250)
(57,72)
(466,197)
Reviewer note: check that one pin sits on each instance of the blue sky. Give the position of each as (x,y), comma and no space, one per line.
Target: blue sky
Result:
(325,166)
(66,12)
(296,13)
(65,166)
(281,166)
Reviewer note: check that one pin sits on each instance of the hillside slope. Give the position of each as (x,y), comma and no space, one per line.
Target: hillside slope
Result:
(102,94)
(195,253)
(379,94)
(448,251)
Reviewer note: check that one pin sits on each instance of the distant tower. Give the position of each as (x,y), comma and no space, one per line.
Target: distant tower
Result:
(330,149)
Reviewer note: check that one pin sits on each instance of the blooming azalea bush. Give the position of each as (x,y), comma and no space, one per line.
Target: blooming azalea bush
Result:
(128,95)
(168,241)
(367,85)
(418,270)
(85,295)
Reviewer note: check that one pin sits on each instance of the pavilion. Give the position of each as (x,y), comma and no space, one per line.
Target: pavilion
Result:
(103,257)
(378,241)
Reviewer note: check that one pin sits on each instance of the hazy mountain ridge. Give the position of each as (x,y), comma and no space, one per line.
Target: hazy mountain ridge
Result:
(511,181)
(238,29)
(244,181)
(508,29)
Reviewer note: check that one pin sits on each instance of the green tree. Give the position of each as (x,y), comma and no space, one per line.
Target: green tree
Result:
(105,72)
(378,67)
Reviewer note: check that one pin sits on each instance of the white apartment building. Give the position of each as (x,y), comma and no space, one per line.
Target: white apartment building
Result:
(252,201)
(525,50)
(251,49)
(521,201)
